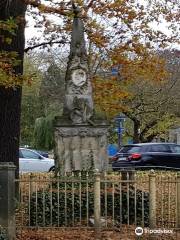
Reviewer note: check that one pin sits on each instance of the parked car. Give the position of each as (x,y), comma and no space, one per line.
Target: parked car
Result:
(32,161)
(147,155)
(42,153)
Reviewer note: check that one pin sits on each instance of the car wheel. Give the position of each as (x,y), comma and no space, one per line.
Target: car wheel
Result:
(52,169)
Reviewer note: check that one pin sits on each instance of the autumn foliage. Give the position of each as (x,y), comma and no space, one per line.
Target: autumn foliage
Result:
(122,34)
(9,59)
(112,91)
(114,28)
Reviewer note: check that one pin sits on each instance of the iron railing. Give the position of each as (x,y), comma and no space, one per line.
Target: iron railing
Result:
(99,200)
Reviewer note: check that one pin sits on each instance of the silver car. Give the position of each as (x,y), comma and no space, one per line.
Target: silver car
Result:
(32,161)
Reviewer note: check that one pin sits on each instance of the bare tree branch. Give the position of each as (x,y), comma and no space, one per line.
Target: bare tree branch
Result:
(44,44)
(90,4)
(48,9)
(149,126)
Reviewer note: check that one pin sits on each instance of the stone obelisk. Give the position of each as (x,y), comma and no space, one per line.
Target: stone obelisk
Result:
(80,138)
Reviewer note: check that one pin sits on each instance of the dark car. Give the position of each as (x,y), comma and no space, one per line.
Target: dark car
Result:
(145,155)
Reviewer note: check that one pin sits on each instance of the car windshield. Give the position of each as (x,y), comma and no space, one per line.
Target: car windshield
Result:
(130,149)
(29,154)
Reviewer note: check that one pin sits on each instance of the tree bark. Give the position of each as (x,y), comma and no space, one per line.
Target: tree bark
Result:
(10,98)
(136,131)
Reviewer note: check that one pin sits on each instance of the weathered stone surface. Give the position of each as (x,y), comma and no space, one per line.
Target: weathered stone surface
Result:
(81,131)
(7,196)
(81,140)
(78,105)
(81,148)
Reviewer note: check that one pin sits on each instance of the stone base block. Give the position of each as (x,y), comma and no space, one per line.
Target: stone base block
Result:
(81,147)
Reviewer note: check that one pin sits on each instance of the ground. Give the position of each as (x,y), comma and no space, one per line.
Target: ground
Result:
(84,234)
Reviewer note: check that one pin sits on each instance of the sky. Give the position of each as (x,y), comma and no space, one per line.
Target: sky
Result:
(32,31)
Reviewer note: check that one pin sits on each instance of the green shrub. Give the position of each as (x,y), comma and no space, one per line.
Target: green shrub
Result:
(50,207)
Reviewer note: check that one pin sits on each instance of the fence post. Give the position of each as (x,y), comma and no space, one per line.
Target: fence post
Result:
(7,199)
(152,199)
(178,201)
(128,174)
(32,187)
(97,204)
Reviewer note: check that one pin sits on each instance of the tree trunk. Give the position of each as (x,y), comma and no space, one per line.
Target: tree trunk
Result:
(10,98)
(136,132)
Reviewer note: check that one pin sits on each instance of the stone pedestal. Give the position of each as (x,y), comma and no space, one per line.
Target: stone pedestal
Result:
(7,199)
(80,147)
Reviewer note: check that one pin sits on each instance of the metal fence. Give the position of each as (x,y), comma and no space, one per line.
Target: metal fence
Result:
(99,200)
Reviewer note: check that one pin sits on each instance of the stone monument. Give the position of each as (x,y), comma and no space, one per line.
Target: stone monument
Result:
(80,138)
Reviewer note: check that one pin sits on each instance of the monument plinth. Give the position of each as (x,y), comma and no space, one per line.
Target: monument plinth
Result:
(80,138)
